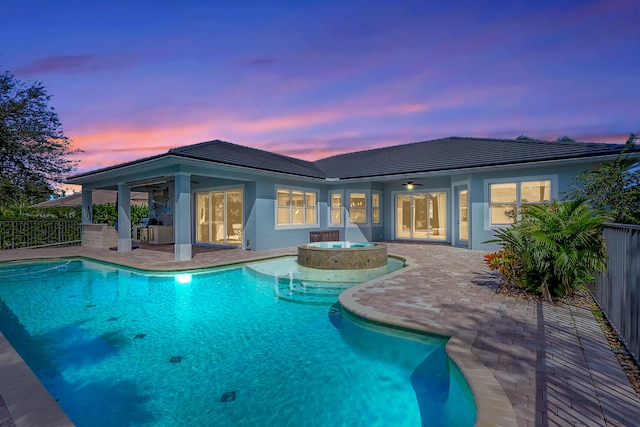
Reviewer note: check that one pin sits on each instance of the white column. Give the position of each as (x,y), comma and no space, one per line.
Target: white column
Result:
(182,217)
(124,217)
(87,211)
(87,206)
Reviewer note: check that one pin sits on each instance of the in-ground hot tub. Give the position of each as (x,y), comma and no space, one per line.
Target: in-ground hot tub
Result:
(342,255)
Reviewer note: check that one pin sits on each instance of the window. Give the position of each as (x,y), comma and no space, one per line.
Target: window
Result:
(358,208)
(296,207)
(506,198)
(375,208)
(336,209)
(503,203)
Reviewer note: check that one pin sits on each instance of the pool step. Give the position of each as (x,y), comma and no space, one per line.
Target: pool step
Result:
(310,292)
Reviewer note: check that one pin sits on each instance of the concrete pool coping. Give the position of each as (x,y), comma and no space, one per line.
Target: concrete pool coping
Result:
(26,399)
(583,386)
(492,404)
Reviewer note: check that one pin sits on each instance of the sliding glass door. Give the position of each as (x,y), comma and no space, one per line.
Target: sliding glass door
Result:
(219,217)
(421,216)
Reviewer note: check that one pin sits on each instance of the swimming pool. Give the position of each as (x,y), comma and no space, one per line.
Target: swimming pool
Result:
(119,347)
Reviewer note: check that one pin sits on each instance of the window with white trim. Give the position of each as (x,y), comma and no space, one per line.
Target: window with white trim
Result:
(507,198)
(296,207)
(335,214)
(375,207)
(357,208)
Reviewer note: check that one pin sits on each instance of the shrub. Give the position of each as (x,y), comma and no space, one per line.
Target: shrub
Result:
(553,249)
(505,263)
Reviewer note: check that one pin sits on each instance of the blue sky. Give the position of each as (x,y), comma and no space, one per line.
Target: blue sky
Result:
(311,79)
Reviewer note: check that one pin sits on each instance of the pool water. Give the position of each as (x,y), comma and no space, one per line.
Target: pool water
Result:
(342,245)
(117,347)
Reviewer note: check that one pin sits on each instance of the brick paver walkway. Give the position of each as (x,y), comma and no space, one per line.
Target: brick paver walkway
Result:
(553,363)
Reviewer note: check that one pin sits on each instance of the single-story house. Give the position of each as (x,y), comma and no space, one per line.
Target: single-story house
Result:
(453,190)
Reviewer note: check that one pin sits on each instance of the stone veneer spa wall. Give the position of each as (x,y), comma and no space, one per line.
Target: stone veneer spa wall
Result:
(342,255)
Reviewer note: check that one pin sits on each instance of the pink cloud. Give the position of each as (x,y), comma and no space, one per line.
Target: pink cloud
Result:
(109,144)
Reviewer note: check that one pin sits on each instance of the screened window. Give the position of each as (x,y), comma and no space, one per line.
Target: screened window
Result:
(296,207)
(506,198)
(358,208)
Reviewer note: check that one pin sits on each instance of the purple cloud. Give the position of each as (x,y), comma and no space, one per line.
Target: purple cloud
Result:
(56,63)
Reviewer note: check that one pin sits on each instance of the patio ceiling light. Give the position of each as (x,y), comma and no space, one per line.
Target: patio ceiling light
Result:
(410,184)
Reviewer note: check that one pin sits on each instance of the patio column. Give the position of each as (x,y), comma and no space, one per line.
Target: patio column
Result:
(87,206)
(124,217)
(182,217)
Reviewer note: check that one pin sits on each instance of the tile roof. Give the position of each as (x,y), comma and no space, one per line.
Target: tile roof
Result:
(453,153)
(456,153)
(239,155)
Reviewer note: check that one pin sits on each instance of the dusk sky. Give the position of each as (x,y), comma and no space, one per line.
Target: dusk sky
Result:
(309,79)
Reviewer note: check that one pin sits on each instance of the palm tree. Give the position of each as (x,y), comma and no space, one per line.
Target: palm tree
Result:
(559,246)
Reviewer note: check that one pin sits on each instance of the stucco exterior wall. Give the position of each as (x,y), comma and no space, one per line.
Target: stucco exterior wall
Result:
(562,177)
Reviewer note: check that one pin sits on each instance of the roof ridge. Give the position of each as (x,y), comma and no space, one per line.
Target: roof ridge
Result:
(180,150)
(473,138)
(408,144)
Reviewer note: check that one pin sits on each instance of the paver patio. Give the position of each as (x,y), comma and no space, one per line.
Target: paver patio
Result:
(552,362)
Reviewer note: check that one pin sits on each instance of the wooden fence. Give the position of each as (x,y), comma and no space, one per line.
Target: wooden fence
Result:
(617,291)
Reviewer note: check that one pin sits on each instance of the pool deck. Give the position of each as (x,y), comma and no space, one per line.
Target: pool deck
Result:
(530,363)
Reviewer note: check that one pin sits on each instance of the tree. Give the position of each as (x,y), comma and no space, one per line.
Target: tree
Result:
(34,150)
(565,139)
(613,186)
(525,138)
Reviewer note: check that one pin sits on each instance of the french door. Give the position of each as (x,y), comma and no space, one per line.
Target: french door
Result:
(421,216)
(219,217)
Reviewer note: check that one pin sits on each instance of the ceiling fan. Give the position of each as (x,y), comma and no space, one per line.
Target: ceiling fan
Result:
(410,184)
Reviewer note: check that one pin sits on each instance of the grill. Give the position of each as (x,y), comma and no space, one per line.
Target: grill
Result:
(142,230)
(149,221)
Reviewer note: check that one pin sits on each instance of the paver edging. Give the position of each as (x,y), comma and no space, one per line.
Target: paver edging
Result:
(184,266)
(27,400)
(493,407)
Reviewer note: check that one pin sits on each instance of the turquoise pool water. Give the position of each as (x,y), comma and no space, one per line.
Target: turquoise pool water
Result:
(117,347)
(342,245)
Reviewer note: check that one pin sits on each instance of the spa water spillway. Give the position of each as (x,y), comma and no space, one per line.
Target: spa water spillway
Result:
(342,255)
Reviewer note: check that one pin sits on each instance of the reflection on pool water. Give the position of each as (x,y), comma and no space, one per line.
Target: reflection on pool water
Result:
(217,347)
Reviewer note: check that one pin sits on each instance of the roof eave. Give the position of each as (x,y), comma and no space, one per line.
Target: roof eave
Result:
(483,168)
(103,173)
